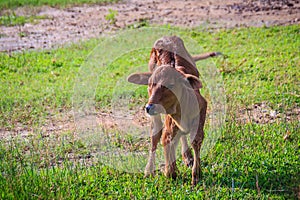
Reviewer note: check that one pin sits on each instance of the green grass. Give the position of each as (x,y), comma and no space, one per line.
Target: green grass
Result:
(11,19)
(249,161)
(238,161)
(111,16)
(11,4)
(35,84)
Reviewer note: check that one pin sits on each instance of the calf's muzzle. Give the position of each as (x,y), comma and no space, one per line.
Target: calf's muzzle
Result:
(150,109)
(154,109)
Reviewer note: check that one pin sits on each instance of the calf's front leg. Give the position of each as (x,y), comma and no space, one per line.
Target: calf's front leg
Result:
(187,156)
(169,143)
(170,140)
(155,135)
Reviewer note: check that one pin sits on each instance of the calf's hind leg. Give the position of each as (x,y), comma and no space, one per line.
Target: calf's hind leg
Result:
(196,170)
(196,140)
(196,145)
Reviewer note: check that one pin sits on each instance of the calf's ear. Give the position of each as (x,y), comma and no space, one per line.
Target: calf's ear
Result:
(194,81)
(139,78)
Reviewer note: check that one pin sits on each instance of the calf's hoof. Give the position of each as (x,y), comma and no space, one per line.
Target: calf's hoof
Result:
(149,172)
(195,181)
(146,175)
(170,171)
(188,158)
(172,175)
(188,162)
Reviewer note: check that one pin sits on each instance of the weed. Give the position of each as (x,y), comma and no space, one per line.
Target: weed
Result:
(111,16)
(11,19)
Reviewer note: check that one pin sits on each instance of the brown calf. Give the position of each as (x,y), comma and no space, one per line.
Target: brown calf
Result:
(173,88)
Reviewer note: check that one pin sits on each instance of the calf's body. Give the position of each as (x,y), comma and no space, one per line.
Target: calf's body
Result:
(173,88)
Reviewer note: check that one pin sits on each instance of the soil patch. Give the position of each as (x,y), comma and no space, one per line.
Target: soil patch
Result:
(63,26)
(262,113)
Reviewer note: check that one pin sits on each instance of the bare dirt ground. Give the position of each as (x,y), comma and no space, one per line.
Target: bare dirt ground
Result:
(63,26)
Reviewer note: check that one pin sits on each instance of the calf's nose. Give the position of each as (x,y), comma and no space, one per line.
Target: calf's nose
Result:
(149,107)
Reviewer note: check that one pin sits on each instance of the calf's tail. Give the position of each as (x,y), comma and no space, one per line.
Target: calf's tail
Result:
(205,55)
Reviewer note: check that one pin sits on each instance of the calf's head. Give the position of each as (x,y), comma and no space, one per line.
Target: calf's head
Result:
(170,50)
(166,86)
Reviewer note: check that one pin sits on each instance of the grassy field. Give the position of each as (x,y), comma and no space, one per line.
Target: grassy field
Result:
(250,160)
(11,4)
(8,16)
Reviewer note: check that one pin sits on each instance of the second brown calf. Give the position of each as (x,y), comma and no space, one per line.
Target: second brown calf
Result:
(173,88)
